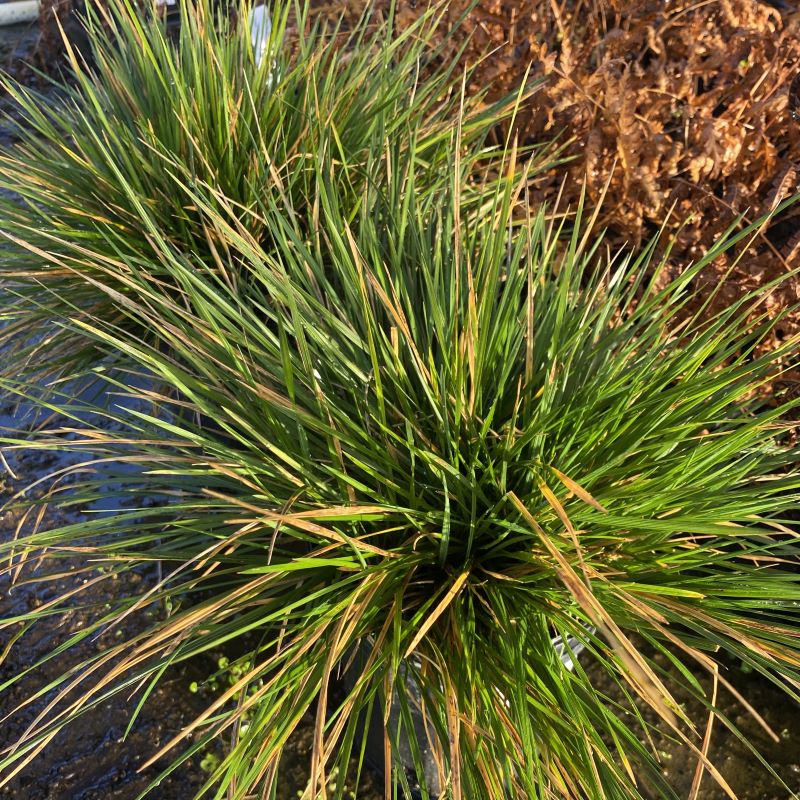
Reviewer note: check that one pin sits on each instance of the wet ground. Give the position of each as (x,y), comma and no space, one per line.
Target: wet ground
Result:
(739,766)
(18,45)
(91,760)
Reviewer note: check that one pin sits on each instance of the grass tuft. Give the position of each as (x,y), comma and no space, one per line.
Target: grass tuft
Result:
(438,438)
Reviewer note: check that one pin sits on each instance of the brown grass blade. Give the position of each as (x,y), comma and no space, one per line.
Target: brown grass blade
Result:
(437,612)
(578,490)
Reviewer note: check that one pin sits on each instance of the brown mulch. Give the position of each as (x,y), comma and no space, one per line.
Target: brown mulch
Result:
(688,112)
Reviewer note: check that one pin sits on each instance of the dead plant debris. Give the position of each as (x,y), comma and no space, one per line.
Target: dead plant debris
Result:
(689,110)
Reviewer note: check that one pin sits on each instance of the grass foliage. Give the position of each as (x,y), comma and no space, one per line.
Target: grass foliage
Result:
(422,436)
(107,165)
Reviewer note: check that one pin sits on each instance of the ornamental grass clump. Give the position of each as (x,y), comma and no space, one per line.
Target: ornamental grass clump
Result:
(441,438)
(107,165)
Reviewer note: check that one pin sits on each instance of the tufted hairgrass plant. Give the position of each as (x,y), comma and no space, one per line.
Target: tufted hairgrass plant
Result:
(441,437)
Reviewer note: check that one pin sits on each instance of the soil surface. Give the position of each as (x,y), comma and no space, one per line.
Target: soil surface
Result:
(92,759)
(737,763)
